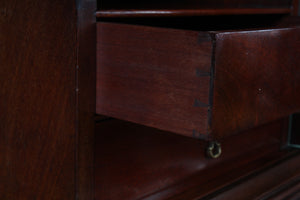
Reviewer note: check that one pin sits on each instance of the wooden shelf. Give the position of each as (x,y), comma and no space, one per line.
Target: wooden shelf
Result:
(186,12)
(138,162)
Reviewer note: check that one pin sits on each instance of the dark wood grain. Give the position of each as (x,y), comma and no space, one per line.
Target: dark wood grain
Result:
(188,12)
(161,77)
(275,183)
(157,77)
(290,190)
(86,83)
(295,8)
(137,162)
(37,99)
(257,78)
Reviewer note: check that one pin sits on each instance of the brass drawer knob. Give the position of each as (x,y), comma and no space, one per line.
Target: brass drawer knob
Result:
(214,150)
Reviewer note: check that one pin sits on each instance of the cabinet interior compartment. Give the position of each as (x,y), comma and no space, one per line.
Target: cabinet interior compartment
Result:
(137,162)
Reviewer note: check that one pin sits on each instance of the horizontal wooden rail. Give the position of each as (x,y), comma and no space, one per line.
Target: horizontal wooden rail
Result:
(188,12)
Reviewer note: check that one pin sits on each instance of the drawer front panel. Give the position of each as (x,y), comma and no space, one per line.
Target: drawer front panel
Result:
(257,78)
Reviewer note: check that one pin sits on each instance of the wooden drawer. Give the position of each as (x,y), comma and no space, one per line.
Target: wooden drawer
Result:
(200,84)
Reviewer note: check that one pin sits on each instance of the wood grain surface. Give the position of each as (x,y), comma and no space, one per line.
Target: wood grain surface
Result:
(37,99)
(156,77)
(114,13)
(138,162)
(198,84)
(257,78)
(276,183)
(86,83)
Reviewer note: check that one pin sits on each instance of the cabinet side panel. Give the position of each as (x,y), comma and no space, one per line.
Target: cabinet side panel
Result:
(37,99)
(154,76)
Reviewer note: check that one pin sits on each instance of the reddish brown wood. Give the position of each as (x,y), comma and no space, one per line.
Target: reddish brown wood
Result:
(162,77)
(86,83)
(278,182)
(37,92)
(157,77)
(295,8)
(188,12)
(257,78)
(291,191)
(136,162)
(47,92)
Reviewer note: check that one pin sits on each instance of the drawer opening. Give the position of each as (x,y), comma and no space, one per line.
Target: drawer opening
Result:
(165,8)
(206,23)
(203,4)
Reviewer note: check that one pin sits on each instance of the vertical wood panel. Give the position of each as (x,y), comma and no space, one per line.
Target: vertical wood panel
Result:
(37,99)
(295,7)
(86,98)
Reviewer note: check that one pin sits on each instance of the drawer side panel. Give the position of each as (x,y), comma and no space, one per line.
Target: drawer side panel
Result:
(154,76)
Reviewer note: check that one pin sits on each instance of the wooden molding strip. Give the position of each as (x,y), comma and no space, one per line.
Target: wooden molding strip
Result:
(187,12)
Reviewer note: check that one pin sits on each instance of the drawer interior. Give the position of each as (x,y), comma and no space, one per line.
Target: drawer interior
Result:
(209,23)
(131,8)
(167,4)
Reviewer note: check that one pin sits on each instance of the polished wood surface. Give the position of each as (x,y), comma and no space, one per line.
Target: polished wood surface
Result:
(256,78)
(275,183)
(48,146)
(156,77)
(295,8)
(137,162)
(187,12)
(291,191)
(37,99)
(85,91)
(197,84)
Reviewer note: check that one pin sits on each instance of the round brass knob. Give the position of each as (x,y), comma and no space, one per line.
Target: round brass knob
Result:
(214,149)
